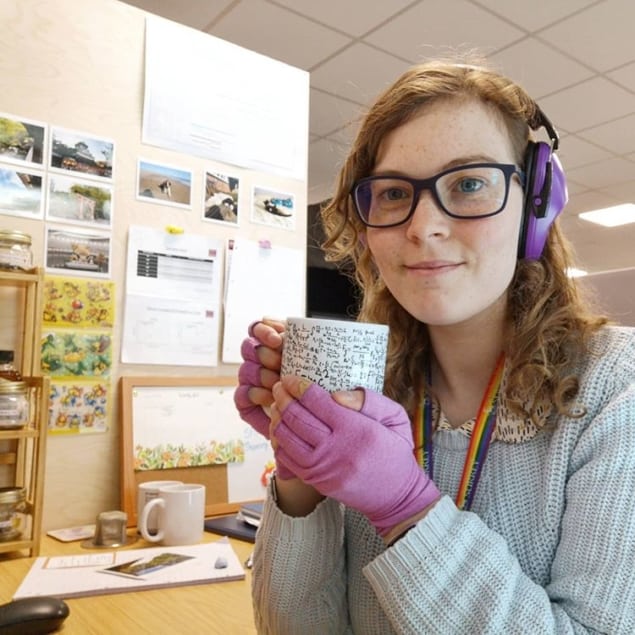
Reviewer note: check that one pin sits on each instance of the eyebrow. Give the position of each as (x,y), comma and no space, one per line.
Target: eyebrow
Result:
(464,160)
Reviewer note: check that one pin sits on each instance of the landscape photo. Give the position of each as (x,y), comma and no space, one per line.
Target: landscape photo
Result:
(81,153)
(164,184)
(22,140)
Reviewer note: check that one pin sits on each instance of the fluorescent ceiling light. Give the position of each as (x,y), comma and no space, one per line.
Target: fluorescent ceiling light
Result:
(572,272)
(611,216)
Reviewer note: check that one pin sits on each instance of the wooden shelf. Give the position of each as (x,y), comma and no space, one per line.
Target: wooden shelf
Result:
(23,450)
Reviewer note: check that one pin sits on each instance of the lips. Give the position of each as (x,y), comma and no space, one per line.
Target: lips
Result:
(433,266)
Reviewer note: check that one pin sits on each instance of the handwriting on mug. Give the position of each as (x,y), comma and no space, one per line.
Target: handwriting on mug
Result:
(336,356)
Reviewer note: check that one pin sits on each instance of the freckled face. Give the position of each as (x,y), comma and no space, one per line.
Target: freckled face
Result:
(442,270)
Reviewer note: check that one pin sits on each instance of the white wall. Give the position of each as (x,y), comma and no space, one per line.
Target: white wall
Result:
(78,64)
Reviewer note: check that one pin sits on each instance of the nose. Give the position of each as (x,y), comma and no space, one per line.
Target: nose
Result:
(428,220)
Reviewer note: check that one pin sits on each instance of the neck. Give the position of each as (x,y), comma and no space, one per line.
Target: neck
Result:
(465,356)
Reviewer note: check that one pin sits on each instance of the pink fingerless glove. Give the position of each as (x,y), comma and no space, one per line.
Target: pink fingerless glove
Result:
(253,414)
(363,459)
(249,377)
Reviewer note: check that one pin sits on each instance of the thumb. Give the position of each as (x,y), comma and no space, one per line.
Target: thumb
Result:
(353,399)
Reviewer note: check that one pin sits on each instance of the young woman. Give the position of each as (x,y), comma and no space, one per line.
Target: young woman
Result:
(489,489)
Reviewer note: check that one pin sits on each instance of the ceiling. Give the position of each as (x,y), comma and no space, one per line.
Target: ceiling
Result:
(575,57)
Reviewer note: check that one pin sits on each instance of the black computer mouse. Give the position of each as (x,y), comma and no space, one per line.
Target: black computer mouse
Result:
(32,616)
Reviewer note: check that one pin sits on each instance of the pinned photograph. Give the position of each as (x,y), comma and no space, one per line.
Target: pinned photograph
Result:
(85,253)
(164,184)
(221,198)
(81,153)
(74,200)
(21,192)
(22,140)
(273,208)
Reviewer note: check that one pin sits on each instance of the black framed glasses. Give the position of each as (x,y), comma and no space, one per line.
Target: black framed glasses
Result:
(476,190)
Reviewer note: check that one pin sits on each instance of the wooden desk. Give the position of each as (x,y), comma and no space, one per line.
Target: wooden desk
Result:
(222,607)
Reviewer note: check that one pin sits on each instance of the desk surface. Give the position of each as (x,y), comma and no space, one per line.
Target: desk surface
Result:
(221,607)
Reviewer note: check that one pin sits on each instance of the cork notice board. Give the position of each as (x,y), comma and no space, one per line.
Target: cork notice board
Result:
(182,403)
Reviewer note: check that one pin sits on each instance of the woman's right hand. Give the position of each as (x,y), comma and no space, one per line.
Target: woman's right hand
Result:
(260,370)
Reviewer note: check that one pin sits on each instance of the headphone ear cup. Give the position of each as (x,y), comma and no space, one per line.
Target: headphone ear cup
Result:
(545,197)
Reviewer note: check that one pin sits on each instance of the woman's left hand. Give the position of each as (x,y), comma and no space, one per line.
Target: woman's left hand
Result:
(354,446)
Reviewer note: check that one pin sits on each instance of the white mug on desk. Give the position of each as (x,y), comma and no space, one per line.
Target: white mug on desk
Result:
(181,515)
(145,493)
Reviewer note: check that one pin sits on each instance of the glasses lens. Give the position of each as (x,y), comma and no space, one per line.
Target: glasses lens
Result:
(473,190)
(384,201)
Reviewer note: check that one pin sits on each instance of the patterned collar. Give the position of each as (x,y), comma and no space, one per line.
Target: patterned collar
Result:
(509,427)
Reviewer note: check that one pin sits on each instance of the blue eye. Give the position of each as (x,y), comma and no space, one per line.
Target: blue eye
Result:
(469,185)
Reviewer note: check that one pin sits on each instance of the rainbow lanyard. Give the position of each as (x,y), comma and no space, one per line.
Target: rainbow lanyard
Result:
(479,442)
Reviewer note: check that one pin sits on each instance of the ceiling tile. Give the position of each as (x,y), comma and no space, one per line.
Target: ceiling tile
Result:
(536,14)
(617,136)
(354,17)
(575,152)
(600,36)
(358,73)
(329,113)
(596,101)
(586,202)
(278,33)
(622,192)
(604,173)
(431,27)
(525,62)
(195,13)
(624,76)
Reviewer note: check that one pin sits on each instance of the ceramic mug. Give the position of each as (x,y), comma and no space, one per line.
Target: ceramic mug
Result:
(181,515)
(145,493)
(336,354)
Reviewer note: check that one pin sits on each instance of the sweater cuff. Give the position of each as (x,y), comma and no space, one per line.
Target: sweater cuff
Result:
(318,525)
(424,537)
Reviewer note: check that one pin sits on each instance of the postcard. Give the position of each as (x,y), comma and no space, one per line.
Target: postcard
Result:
(141,567)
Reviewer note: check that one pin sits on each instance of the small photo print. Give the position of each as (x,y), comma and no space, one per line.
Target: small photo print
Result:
(21,192)
(22,140)
(75,200)
(142,567)
(81,153)
(273,208)
(164,184)
(221,198)
(84,253)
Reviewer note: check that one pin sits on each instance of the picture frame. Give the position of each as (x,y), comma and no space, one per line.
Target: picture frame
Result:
(215,477)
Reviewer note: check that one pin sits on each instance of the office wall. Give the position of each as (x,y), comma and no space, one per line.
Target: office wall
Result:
(79,65)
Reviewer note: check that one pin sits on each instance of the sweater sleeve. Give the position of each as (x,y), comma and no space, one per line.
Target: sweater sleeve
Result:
(299,572)
(453,574)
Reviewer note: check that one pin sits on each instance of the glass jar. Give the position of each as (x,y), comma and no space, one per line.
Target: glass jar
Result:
(14,404)
(12,501)
(7,368)
(15,250)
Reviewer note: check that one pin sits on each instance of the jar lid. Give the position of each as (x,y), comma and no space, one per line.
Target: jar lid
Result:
(8,386)
(15,236)
(10,495)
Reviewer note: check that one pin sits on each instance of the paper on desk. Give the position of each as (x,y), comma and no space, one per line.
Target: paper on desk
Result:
(47,577)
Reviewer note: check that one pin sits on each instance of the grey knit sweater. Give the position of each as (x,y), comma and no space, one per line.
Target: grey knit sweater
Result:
(549,546)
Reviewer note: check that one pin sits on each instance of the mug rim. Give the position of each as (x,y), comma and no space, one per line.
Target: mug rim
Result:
(182,487)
